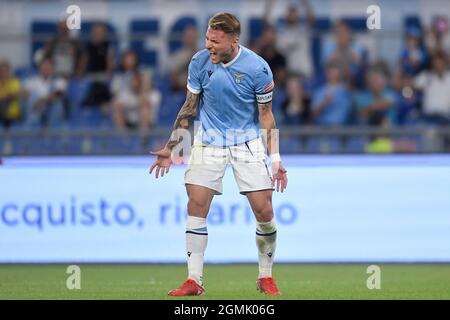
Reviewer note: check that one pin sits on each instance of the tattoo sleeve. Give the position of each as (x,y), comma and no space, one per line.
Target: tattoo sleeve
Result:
(186,114)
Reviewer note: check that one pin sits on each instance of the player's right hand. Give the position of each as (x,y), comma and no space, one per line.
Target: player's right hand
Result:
(162,162)
(279,176)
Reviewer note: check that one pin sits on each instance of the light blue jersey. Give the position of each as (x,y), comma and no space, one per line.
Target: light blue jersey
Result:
(229,96)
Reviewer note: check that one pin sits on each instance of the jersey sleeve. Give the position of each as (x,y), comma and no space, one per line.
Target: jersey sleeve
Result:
(193,82)
(264,84)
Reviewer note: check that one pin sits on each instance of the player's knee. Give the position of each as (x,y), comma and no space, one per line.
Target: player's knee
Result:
(264,211)
(196,207)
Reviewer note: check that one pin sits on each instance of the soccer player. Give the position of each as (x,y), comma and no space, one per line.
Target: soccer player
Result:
(232,88)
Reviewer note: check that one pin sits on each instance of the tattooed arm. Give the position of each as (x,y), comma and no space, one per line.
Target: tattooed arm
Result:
(186,113)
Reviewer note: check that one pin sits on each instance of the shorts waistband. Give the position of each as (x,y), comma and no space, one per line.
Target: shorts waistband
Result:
(202,144)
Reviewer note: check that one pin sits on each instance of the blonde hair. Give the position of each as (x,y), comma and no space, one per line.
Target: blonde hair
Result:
(226,22)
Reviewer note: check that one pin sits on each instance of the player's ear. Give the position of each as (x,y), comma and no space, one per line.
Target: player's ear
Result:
(235,42)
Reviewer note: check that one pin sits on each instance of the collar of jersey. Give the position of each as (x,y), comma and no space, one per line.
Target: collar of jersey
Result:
(234,59)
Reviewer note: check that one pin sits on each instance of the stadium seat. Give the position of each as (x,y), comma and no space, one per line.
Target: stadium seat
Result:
(41,33)
(90,117)
(176,32)
(170,106)
(322,24)
(141,32)
(356,24)
(22,73)
(412,21)
(255,28)
(321,27)
(76,90)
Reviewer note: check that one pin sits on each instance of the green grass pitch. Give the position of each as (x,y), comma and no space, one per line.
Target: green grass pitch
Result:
(229,281)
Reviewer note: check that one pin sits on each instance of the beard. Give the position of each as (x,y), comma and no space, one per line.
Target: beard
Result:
(227,56)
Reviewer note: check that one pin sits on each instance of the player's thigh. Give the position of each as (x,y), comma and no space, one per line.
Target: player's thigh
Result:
(207,166)
(249,167)
(261,204)
(200,198)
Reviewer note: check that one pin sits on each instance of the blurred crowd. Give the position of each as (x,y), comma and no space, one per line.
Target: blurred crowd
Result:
(122,92)
(347,89)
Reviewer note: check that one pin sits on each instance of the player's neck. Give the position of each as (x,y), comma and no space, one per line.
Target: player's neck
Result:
(232,55)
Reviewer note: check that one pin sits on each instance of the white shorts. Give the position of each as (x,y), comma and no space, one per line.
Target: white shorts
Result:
(207,165)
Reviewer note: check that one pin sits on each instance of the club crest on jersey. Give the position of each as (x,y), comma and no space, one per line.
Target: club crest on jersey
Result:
(238,76)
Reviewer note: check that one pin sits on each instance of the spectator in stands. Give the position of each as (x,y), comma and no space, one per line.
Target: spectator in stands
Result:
(255,45)
(294,106)
(45,103)
(332,103)
(346,53)
(376,104)
(135,101)
(64,52)
(294,37)
(414,56)
(438,36)
(435,85)
(273,57)
(98,60)
(407,98)
(9,96)
(179,61)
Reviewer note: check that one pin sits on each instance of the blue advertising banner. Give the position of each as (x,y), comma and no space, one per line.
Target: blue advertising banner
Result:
(335,209)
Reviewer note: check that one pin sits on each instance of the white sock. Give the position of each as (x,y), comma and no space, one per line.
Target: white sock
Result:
(196,241)
(266,237)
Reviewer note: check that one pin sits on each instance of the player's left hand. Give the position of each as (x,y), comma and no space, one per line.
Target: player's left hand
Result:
(162,162)
(279,176)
